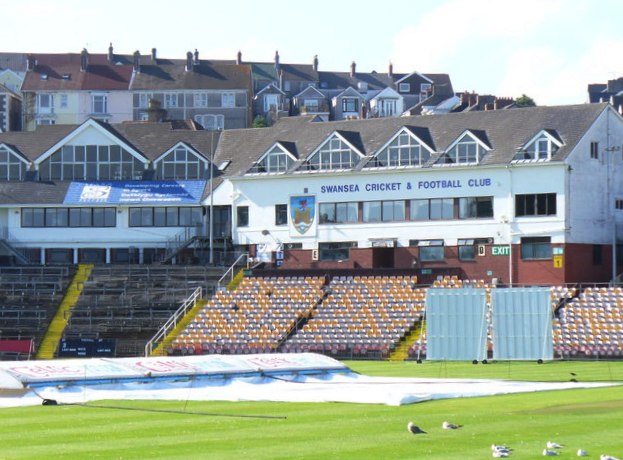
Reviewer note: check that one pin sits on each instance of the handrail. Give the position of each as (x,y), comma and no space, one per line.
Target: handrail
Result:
(232,269)
(173,320)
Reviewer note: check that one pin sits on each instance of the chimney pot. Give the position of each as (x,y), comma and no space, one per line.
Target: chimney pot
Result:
(189,61)
(316,63)
(390,72)
(111,56)
(153,54)
(31,62)
(136,62)
(353,68)
(239,58)
(196,56)
(84,60)
(277,65)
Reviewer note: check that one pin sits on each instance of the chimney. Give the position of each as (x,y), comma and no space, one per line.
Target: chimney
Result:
(353,68)
(277,66)
(316,63)
(155,113)
(84,60)
(189,61)
(111,56)
(136,63)
(390,71)
(196,57)
(31,62)
(239,58)
(154,56)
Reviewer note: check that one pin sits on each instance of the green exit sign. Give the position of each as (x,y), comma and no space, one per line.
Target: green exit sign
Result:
(500,250)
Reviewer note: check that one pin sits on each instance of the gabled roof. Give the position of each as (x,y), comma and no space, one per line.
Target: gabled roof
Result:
(270,88)
(4,89)
(186,146)
(61,72)
(503,130)
(311,89)
(349,92)
(387,92)
(415,74)
(172,75)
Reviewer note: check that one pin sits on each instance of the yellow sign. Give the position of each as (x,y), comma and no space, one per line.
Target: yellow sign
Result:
(558,260)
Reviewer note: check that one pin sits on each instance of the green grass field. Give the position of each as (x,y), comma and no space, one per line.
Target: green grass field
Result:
(591,419)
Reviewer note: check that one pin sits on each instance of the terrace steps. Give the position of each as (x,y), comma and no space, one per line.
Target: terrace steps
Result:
(162,347)
(401,352)
(53,335)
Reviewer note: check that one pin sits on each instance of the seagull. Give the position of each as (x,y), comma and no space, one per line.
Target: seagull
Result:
(450,426)
(499,454)
(607,457)
(414,428)
(549,453)
(553,445)
(504,449)
(582,453)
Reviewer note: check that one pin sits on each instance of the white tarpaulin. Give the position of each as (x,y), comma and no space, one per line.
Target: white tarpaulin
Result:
(284,377)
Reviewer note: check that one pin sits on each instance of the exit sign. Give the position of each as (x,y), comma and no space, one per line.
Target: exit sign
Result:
(500,250)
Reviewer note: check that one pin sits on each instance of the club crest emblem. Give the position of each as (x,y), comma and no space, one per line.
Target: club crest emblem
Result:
(302,213)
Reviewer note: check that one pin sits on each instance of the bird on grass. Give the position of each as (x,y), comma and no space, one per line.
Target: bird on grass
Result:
(499,454)
(414,429)
(550,453)
(582,453)
(553,445)
(450,426)
(500,451)
(607,457)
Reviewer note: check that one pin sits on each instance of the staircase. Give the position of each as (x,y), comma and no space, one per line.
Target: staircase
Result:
(49,344)
(401,352)
(160,349)
(6,247)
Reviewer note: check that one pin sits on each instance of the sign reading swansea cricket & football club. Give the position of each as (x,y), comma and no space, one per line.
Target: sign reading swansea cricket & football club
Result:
(303,215)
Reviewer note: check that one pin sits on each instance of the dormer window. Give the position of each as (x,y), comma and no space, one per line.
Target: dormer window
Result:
(11,166)
(181,163)
(403,150)
(333,154)
(276,160)
(404,87)
(541,147)
(468,150)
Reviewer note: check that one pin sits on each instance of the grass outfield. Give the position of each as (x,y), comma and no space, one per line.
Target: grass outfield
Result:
(591,419)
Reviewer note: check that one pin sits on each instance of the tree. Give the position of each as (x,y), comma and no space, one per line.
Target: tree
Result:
(525,101)
(260,122)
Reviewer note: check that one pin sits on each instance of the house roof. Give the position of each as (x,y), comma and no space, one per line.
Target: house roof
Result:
(13,61)
(504,130)
(61,72)
(172,75)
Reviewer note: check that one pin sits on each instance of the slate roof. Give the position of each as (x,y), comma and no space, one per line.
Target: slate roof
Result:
(49,72)
(14,61)
(504,130)
(172,75)
(28,193)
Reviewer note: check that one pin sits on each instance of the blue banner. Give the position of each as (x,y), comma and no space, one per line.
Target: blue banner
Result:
(136,192)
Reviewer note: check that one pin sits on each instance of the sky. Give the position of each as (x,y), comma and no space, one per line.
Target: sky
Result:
(549,50)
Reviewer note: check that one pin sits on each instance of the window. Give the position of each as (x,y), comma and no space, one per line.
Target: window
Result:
(441,208)
(618,204)
(69,217)
(468,248)
(466,151)
(281,214)
(350,104)
(475,207)
(385,211)
(595,150)
(170,100)
(200,99)
(277,160)
(335,251)
(180,164)
(11,167)
(333,154)
(91,162)
(165,216)
(542,148)
(425,87)
(99,103)
(311,105)
(404,87)
(536,248)
(143,100)
(338,213)
(431,250)
(63,101)
(404,150)
(45,121)
(271,102)
(539,204)
(419,210)
(211,122)
(46,103)
(386,107)
(242,216)
(228,100)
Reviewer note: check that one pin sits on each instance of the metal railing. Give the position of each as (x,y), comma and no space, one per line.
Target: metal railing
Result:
(173,321)
(231,271)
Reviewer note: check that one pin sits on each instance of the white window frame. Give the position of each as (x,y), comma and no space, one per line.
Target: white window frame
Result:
(269,100)
(211,122)
(103,101)
(171,100)
(404,87)
(45,108)
(228,100)
(63,101)
(143,100)
(200,99)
